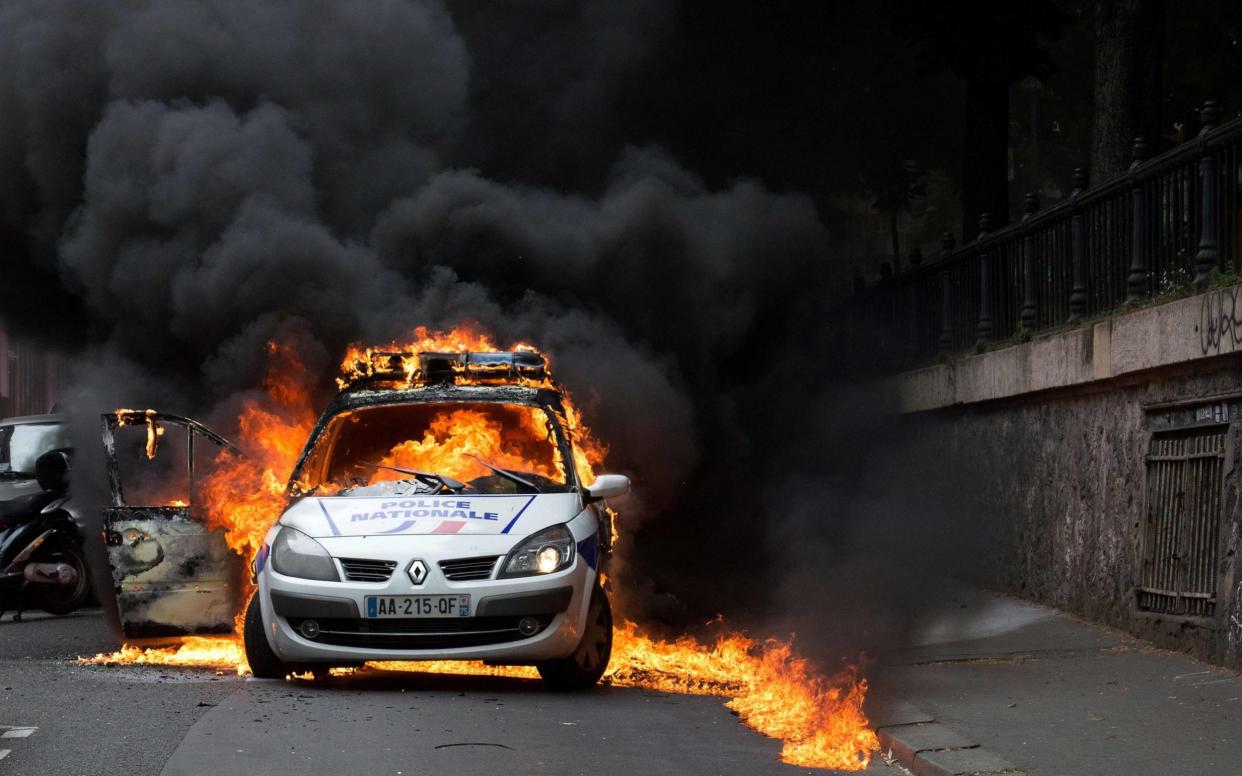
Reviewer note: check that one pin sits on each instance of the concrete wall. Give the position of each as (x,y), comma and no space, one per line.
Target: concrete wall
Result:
(1050,438)
(1186,331)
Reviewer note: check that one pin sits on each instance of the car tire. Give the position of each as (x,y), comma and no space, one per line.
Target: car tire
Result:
(58,599)
(264,663)
(584,667)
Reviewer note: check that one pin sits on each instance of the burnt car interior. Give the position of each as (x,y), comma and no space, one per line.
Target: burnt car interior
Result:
(489,446)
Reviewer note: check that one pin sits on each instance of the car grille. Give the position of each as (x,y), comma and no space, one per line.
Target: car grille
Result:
(463,569)
(357,570)
(421,633)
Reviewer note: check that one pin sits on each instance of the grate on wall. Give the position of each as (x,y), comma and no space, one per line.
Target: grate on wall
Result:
(1185,471)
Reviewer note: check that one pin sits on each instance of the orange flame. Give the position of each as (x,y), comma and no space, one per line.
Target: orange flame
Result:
(772,689)
(154,430)
(464,338)
(455,437)
(221,652)
(244,495)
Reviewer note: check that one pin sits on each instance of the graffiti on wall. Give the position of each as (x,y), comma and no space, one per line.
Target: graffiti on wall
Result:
(1220,321)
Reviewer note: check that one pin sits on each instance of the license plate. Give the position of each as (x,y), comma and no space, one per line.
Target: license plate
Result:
(381,606)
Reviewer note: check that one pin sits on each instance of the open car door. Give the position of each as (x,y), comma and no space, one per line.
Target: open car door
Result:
(172,576)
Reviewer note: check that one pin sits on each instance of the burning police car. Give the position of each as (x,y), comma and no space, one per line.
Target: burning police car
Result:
(438,512)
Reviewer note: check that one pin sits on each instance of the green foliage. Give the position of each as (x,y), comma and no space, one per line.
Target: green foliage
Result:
(1229,276)
(1021,334)
(1173,284)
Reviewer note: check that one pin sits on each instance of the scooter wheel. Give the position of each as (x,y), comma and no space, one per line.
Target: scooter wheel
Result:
(63,599)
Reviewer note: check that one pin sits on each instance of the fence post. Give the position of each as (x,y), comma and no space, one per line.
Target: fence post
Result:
(946,295)
(912,316)
(1209,211)
(1136,281)
(983,331)
(1028,263)
(1078,248)
(916,329)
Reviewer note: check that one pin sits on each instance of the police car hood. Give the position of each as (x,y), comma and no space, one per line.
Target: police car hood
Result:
(519,515)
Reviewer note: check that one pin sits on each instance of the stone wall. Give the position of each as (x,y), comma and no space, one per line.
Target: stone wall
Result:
(1046,443)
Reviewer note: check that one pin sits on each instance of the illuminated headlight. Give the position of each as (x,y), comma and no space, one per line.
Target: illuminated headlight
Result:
(552,549)
(295,554)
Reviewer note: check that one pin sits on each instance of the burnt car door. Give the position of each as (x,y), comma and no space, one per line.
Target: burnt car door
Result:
(172,575)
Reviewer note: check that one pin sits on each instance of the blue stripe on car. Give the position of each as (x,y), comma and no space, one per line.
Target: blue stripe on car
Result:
(328,517)
(588,548)
(519,514)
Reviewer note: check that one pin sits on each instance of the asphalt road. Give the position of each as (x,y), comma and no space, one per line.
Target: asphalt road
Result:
(58,717)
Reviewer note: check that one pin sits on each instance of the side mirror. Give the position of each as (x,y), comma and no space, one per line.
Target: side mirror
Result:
(608,486)
(52,470)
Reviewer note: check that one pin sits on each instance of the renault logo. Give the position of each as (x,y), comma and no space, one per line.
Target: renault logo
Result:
(418,572)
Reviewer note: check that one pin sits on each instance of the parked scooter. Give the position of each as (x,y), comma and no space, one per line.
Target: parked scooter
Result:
(41,558)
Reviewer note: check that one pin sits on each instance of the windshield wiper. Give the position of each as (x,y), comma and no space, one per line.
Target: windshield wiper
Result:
(12,475)
(429,478)
(507,474)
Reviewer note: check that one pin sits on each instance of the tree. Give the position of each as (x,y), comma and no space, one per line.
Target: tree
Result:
(896,194)
(1129,48)
(989,46)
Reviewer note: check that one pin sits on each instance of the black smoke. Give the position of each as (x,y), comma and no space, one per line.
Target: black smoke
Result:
(183,180)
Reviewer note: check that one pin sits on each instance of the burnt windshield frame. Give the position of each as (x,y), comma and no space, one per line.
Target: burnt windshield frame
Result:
(540,398)
(111,421)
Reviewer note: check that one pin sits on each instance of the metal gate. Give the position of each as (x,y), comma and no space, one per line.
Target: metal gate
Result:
(1184,494)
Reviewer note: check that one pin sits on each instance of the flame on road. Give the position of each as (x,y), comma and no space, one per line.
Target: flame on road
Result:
(773,691)
(221,652)
(770,687)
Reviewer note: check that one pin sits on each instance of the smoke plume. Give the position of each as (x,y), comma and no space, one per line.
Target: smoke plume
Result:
(182,180)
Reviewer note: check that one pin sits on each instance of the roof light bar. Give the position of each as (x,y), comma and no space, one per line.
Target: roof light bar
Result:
(447,367)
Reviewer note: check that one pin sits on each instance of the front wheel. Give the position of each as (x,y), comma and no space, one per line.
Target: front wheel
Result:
(264,663)
(589,660)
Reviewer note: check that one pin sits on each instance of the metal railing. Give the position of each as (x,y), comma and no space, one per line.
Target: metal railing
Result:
(1167,223)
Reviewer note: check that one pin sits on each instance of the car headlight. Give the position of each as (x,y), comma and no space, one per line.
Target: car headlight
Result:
(552,549)
(295,554)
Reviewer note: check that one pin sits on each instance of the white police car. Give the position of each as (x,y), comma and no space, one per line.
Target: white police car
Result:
(437,514)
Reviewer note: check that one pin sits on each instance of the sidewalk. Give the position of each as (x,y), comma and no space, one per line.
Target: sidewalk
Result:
(1000,686)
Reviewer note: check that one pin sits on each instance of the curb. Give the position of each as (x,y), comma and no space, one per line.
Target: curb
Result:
(916,741)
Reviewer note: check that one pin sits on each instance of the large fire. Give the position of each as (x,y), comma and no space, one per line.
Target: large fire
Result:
(475,435)
(244,494)
(771,688)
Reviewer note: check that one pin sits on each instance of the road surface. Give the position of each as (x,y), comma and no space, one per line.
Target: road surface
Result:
(58,717)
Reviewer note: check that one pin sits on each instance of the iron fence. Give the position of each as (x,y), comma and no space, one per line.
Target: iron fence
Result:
(1170,222)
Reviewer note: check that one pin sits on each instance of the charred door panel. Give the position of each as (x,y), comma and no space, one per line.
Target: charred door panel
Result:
(171,574)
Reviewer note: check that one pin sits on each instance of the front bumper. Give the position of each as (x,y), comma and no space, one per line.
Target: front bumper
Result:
(501,610)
